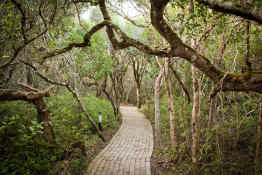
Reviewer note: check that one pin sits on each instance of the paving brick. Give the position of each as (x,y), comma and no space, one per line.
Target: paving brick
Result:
(129,151)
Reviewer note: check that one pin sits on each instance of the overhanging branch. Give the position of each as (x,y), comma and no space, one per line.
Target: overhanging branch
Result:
(85,43)
(244,8)
(12,95)
(126,41)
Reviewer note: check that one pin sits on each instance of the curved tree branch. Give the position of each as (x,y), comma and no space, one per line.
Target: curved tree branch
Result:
(244,8)
(85,43)
(126,41)
(43,76)
(180,83)
(231,82)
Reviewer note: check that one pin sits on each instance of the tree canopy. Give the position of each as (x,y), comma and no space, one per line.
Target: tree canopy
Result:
(33,19)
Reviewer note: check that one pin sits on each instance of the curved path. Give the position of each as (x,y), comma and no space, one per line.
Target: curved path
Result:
(129,151)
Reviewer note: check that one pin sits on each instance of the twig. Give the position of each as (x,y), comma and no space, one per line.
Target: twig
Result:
(126,17)
(43,76)
(78,17)
(250,112)
(28,88)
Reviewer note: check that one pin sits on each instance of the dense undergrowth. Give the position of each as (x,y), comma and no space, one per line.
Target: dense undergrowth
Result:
(228,148)
(24,151)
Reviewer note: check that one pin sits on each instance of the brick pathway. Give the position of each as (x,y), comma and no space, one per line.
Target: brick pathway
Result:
(129,151)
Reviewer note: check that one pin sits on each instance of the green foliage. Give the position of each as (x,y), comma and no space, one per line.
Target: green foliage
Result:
(193,17)
(9,25)
(228,148)
(23,149)
(66,114)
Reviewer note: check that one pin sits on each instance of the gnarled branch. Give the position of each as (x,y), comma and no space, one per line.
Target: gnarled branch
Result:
(11,95)
(244,8)
(85,43)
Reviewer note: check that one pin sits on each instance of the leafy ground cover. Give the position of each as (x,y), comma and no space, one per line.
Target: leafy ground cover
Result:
(24,151)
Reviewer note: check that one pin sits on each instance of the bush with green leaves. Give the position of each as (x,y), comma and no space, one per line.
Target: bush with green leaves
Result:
(228,148)
(23,149)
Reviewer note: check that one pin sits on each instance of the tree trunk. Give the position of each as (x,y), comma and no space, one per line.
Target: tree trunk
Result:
(170,103)
(138,67)
(158,134)
(138,95)
(29,77)
(128,94)
(43,117)
(195,120)
(98,90)
(36,97)
(212,111)
(259,140)
(114,106)
(83,109)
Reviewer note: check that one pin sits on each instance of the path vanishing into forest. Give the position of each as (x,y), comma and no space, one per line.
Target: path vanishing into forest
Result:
(129,151)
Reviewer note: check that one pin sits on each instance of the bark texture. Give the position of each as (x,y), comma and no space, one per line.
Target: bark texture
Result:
(212,111)
(195,121)
(158,133)
(138,96)
(247,9)
(170,103)
(138,66)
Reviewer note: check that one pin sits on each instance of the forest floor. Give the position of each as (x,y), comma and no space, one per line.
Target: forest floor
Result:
(130,150)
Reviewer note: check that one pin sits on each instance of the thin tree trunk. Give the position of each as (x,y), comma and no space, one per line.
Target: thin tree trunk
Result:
(218,62)
(259,139)
(157,110)
(29,77)
(248,63)
(187,119)
(195,120)
(83,109)
(138,71)
(138,95)
(110,99)
(128,94)
(212,111)
(213,100)
(170,103)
